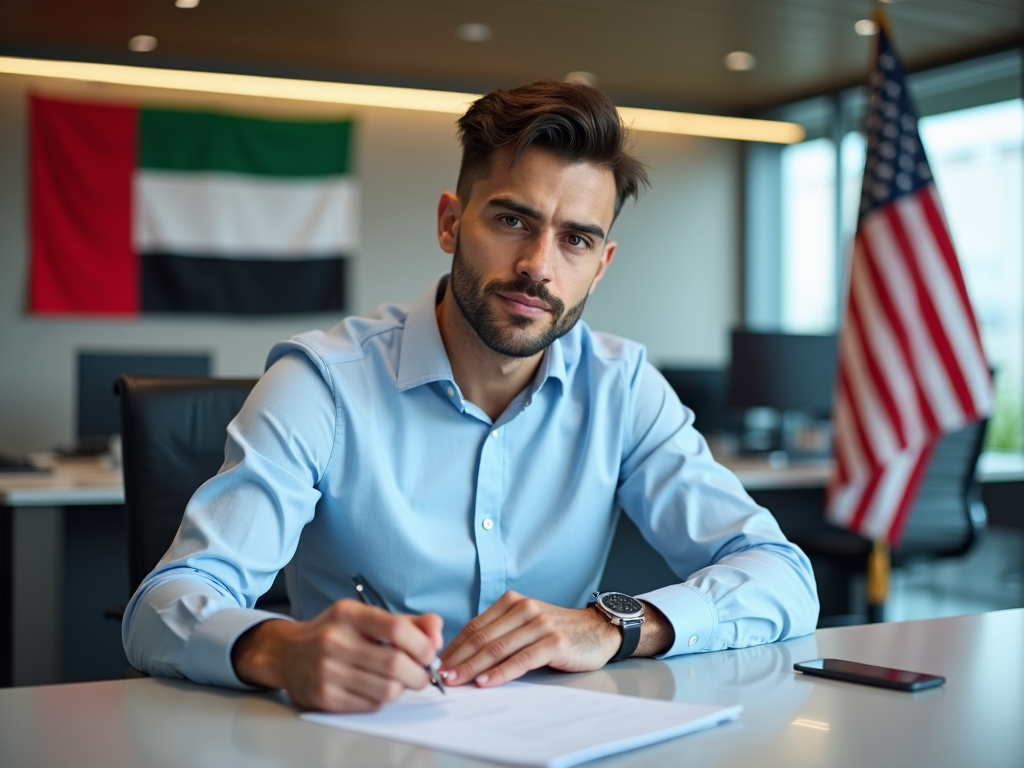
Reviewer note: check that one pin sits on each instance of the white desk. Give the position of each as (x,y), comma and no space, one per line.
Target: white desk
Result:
(789,720)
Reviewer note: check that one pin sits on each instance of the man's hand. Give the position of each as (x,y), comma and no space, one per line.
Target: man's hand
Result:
(518,634)
(350,658)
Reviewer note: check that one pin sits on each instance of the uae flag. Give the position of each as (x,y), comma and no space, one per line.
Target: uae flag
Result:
(151,210)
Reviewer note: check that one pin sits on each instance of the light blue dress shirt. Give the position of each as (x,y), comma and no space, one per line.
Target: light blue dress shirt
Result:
(357,453)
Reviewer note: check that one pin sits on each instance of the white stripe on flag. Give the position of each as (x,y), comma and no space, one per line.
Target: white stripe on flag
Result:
(844,500)
(235,215)
(928,366)
(879,337)
(946,297)
(889,494)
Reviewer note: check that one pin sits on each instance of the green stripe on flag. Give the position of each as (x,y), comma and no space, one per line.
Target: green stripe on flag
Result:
(204,141)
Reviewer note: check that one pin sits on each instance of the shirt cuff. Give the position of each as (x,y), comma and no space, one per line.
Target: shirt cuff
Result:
(690,612)
(209,649)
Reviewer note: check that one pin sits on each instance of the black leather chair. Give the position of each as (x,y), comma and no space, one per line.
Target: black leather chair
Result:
(173,433)
(946,520)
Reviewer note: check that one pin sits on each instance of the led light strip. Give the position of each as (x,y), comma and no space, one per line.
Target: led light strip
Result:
(659,121)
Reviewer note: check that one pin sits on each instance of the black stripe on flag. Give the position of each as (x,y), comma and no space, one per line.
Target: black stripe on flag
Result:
(243,286)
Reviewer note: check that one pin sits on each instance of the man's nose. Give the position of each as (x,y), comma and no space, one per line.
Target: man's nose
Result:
(535,261)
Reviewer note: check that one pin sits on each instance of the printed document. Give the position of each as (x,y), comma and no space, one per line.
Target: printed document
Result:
(528,724)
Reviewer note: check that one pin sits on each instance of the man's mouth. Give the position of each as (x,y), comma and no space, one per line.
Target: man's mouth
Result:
(524,304)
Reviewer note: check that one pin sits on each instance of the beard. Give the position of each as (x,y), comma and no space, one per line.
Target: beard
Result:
(515,338)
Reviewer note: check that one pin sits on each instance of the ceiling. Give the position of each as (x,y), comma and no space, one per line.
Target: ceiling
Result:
(656,53)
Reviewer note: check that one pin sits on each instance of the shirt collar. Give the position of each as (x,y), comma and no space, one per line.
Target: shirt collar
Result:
(423,358)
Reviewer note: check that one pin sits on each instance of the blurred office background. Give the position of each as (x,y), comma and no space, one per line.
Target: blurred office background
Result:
(732,236)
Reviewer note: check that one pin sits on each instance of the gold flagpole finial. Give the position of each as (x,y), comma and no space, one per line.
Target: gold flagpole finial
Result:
(881,19)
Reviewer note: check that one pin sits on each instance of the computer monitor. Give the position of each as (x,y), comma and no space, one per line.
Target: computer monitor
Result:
(98,413)
(783,371)
(704,391)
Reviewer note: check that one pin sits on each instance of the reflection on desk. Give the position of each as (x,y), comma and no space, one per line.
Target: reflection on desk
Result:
(788,720)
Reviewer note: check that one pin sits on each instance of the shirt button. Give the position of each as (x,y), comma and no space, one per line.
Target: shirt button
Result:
(693,640)
(494,433)
(488,524)
(451,392)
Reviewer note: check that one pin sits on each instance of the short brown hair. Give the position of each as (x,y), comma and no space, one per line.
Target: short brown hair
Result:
(573,121)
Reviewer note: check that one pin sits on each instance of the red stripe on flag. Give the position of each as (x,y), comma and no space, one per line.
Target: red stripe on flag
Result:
(881,386)
(896,323)
(899,521)
(867,496)
(928,312)
(82,160)
(937,224)
(859,435)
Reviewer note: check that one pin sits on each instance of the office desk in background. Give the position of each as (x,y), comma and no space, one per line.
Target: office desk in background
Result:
(31,513)
(788,719)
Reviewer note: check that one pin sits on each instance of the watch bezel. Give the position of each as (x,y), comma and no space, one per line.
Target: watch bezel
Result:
(599,599)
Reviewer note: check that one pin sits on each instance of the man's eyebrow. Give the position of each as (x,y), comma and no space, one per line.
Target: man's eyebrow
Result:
(512,205)
(531,213)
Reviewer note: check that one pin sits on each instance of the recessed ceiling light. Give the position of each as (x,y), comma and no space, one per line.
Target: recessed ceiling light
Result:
(474,32)
(866,28)
(740,61)
(142,43)
(186,3)
(582,76)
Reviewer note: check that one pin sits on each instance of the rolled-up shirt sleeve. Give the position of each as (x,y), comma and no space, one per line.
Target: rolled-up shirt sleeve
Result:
(240,528)
(743,583)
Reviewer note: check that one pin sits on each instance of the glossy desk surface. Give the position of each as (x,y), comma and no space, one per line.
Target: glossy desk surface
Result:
(975,719)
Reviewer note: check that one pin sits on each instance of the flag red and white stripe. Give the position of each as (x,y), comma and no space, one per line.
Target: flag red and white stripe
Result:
(911,364)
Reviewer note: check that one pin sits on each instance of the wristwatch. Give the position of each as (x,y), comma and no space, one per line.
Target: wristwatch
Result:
(625,612)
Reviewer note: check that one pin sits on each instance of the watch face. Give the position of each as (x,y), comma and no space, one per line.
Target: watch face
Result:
(621,605)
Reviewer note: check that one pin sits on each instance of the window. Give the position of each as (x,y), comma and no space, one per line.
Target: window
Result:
(977,159)
(972,128)
(808,262)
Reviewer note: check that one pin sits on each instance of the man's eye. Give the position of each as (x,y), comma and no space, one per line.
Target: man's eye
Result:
(577,242)
(511,221)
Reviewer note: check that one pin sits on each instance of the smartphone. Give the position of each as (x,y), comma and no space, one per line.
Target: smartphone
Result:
(855,672)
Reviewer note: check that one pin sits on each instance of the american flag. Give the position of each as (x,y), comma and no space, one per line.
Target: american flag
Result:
(911,365)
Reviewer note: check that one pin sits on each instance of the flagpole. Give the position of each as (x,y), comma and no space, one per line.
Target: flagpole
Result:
(879,571)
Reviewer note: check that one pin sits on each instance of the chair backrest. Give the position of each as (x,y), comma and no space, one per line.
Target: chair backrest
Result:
(98,410)
(173,431)
(948,514)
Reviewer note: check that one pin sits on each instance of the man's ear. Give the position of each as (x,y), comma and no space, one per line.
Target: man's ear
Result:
(449,214)
(606,260)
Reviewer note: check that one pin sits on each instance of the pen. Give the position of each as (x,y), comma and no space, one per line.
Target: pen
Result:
(371,597)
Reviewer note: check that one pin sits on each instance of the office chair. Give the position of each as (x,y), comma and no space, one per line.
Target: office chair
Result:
(945,521)
(173,431)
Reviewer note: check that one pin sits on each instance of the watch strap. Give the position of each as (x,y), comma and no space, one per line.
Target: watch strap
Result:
(630,639)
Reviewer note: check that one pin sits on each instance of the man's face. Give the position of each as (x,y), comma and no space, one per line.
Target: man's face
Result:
(528,246)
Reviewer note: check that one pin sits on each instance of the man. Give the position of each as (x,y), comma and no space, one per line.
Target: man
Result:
(468,455)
